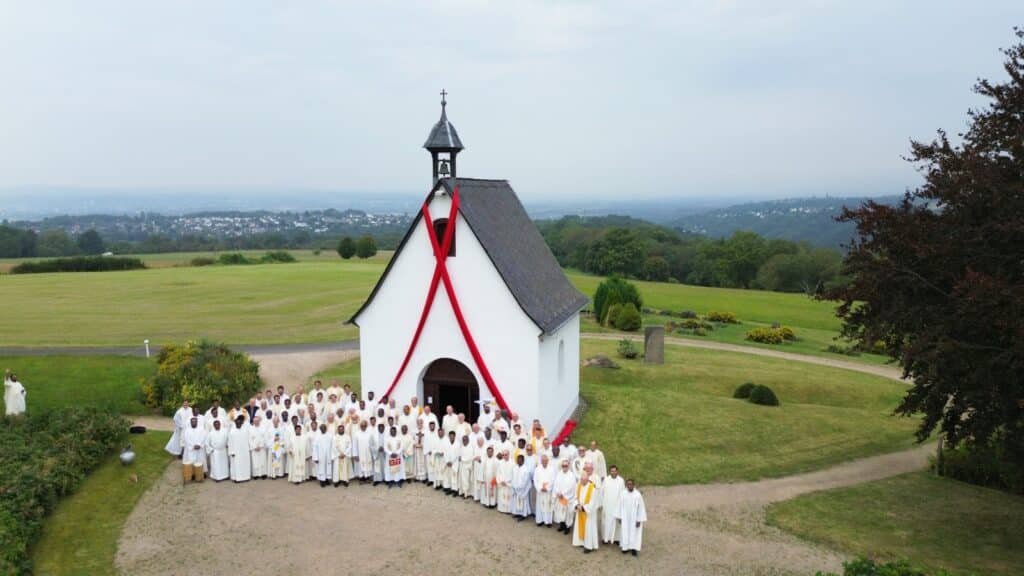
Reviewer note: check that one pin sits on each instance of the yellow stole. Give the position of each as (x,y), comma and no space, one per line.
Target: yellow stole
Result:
(581,516)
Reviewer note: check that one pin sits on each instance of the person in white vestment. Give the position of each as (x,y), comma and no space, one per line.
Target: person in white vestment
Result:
(522,486)
(14,395)
(451,465)
(543,487)
(479,484)
(298,453)
(277,450)
(215,413)
(407,452)
(394,456)
(440,464)
(419,454)
(430,444)
(490,497)
(503,476)
(181,419)
(632,516)
(323,456)
(584,533)
(258,446)
(193,457)
(466,452)
(362,452)
(239,451)
(342,451)
(596,456)
(450,420)
(611,489)
(217,451)
(486,416)
(565,498)
(379,438)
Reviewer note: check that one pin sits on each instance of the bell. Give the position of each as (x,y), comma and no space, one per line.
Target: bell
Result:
(443,170)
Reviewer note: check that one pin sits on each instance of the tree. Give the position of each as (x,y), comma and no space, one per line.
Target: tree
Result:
(939,277)
(56,243)
(90,242)
(346,247)
(656,268)
(614,291)
(16,242)
(803,272)
(366,247)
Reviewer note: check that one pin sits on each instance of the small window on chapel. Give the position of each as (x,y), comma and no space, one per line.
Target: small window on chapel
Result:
(440,226)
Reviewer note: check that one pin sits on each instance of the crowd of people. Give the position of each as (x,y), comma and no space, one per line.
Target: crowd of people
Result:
(333,437)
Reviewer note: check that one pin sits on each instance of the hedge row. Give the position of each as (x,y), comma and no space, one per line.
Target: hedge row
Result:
(79,264)
(44,457)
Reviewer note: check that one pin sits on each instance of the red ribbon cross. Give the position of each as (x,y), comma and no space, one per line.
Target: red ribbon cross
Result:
(441,275)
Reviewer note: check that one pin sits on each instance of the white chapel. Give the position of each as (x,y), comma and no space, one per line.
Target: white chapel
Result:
(492,318)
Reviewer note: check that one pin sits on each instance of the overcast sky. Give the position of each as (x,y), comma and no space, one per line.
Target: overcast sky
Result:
(673,99)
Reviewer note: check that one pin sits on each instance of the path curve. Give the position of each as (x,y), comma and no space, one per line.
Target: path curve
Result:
(884,371)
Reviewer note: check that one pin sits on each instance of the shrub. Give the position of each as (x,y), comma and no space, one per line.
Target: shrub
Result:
(627,349)
(316,252)
(278,256)
(687,314)
(233,259)
(613,291)
(346,248)
(787,333)
(743,390)
(203,261)
(612,315)
(43,457)
(628,319)
(722,317)
(366,247)
(985,465)
(846,350)
(79,264)
(201,372)
(765,336)
(763,395)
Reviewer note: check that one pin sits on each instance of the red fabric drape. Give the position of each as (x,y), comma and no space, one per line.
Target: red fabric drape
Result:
(441,275)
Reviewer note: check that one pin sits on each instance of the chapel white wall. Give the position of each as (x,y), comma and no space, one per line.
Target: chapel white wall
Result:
(559,379)
(506,336)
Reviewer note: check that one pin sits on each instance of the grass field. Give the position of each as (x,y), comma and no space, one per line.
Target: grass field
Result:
(80,536)
(305,302)
(934,522)
(346,373)
(112,382)
(678,423)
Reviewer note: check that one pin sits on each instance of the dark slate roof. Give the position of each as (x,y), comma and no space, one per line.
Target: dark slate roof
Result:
(443,135)
(515,246)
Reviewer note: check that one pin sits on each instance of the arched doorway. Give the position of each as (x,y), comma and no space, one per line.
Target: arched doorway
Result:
(448,381)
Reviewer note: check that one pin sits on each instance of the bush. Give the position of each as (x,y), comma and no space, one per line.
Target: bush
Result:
(613,315)
(867,567)
(985,465)
(687,314)
(743,390)
(203,261)
(79,264)
(763,395)
(722,317)
(43,457)
(233,259)
(366,247)
(765,336)
(845,350)
(787,333)
(627,349)
(628,319)
(613,291)
(278,256)
(346,248)
(201,372)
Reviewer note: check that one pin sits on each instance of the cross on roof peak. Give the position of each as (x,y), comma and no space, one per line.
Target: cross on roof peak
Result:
(443,94)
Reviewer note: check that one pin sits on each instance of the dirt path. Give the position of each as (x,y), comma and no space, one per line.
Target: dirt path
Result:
(885,371)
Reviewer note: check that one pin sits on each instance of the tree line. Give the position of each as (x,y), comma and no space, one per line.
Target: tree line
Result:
(623,246)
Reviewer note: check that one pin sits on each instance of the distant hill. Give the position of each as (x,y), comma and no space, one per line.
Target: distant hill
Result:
(797,219)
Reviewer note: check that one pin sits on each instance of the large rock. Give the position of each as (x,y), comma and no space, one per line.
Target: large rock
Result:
(600,361)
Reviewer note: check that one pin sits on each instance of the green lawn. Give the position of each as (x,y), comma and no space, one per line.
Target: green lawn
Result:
(344,373)
(678,423)
(305,302)
(80,536)
(934,522)
(113,382)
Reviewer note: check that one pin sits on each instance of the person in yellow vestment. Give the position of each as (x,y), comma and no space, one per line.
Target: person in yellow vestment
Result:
(584,533)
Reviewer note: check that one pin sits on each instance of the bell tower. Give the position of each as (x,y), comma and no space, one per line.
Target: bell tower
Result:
(443,144)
